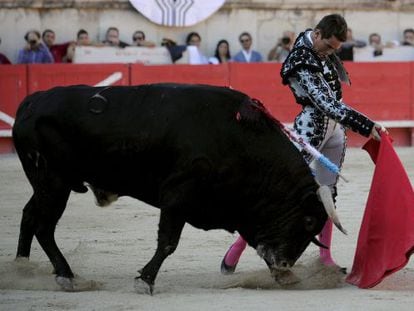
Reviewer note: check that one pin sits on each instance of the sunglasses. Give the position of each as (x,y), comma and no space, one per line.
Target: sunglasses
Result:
(244,40)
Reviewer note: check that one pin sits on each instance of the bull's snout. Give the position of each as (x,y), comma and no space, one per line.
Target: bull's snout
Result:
(284,264)
(281,265)
(272,258)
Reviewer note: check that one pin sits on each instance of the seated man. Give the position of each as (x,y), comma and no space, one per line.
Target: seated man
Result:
(112,38)
(58,51)
(138,39)
(408,37)
(346,51)
(247,54)
(35,52)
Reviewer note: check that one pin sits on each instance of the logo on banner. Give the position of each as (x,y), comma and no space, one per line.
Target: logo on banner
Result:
(178,13)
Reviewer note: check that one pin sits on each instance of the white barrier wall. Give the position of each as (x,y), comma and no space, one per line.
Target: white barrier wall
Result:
(143,55)
(389,54)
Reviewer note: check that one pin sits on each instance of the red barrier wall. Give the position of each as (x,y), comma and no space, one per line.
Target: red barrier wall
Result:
(43,77)
(262,81)
(13,88)
(380,90)
(197,74)
(383,91)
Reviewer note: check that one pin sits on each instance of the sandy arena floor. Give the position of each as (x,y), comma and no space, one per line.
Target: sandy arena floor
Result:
(106,246)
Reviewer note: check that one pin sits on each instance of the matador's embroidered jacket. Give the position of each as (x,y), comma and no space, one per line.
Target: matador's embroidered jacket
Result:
(315,82)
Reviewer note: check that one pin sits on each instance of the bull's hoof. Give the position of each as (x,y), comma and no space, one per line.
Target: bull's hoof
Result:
(65,283)
(21,259)
(143,287)
(285,277)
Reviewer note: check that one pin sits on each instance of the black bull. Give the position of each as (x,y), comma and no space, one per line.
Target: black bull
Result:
(208,156)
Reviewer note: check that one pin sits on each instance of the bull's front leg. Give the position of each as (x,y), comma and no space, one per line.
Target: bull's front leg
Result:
(169,232)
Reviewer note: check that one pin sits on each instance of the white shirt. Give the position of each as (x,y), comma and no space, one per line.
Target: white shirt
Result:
(195,56)
(247,55)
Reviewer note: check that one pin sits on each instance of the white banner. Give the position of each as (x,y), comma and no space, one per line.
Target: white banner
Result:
(389,54)
(178,13)
(147,56)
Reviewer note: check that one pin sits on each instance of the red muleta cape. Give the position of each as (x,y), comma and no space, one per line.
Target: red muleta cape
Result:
(386,237)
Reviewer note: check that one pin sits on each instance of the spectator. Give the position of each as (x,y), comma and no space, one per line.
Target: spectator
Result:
(112,38)
(346,51)
(82,39)
(3,58)
(34,51)
(176,51)
(58,51)
(375,41)
(221,54)
(247,54)
(138,39)
(408,37)
(193,38)
(282,48)
(167,42)
(193,42)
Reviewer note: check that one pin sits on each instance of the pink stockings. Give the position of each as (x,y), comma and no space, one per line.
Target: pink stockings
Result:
(325,237)
(233,254)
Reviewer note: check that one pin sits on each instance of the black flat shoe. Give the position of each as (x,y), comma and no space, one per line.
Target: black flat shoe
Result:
(343,270)
(226,269)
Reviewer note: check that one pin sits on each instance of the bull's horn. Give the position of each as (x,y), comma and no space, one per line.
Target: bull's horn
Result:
(318,243)
(325,196)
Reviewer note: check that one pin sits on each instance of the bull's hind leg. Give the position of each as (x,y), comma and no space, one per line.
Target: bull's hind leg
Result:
(27,228)
(40,217)
(50,209)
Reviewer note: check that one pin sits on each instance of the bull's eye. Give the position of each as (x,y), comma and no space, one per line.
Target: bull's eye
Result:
(310,223)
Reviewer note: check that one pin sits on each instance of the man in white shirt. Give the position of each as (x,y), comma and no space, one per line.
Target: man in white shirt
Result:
(247,54)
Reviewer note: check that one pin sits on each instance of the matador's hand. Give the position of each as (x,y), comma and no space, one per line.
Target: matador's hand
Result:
(376,131)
